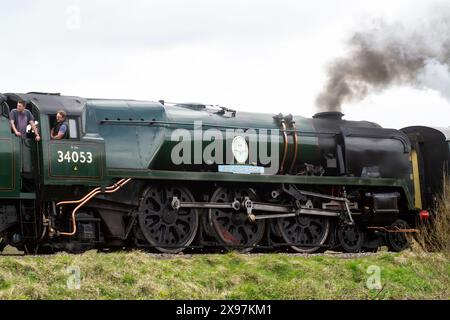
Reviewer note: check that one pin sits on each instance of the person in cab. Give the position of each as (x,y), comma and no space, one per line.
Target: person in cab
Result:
(61,128)
(20,118)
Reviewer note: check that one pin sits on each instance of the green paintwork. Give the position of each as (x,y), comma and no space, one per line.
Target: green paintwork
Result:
(126,145)
(74,160)
(27,195)
(10,164)
(144,130)
(7,164)
(68,162)
(308,143)
(308,150)
(250,178)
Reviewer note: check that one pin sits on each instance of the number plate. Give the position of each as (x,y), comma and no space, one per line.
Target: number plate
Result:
(75,161)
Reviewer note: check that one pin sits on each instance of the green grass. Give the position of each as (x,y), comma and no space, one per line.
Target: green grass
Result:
(137,275)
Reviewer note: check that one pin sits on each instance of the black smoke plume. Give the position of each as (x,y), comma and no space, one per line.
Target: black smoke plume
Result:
(391,54)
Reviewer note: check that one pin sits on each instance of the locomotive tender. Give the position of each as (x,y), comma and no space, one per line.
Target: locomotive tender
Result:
(139,174)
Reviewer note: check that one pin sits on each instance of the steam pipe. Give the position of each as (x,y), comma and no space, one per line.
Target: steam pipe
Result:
(294,157)
(87,195)
(285,148)
(85,199)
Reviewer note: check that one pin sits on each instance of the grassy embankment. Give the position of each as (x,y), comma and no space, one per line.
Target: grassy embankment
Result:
(137,275)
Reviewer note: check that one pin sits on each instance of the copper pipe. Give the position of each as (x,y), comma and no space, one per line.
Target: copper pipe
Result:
(285,140)
(294,157)
(88,194)
(110,189)
(80,200)
(394,229)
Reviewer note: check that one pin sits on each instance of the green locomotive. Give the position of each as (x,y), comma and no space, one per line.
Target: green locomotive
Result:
(175,176)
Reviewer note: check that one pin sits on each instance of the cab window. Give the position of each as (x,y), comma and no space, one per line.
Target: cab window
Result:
(73,126)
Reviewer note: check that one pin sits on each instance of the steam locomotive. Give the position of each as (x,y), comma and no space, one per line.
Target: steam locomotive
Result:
(177,176)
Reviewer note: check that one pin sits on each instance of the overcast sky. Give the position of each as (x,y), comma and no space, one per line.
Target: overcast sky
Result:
(260,55)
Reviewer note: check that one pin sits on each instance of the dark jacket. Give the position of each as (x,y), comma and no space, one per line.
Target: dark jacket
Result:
(58,126)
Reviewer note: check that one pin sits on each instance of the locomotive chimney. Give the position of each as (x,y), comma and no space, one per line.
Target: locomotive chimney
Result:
(330,115)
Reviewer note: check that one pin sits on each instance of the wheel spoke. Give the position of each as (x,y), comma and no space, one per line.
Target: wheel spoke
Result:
(351,238)
(154,226)
(304,230)
(162,226)
(233,228)
(397,241)
(178,230)
(187,219)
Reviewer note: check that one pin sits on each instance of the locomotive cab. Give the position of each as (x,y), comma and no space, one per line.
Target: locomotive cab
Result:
(31,170)
(27,149)
(77,158)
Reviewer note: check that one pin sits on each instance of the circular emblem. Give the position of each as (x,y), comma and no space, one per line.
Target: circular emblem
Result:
(239,148)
